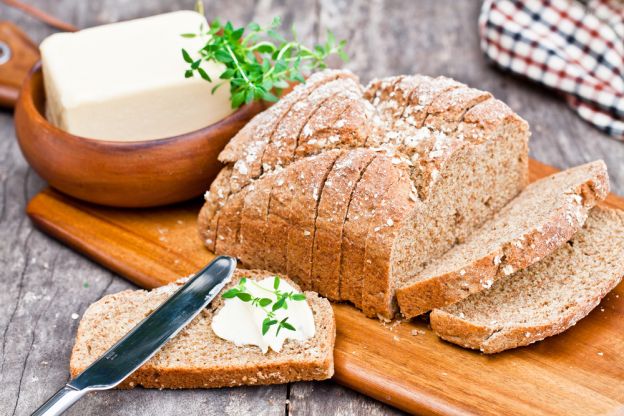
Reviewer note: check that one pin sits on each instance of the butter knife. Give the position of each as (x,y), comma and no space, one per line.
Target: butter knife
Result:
(140,344)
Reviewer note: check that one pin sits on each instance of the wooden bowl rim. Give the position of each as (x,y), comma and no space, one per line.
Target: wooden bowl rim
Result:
(34,116)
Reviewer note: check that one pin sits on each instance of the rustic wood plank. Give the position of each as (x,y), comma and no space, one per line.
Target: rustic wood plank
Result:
(433,37)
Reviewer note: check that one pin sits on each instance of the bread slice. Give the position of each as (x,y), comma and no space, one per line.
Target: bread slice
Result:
(310,180)
(278,214)
(281,151)
(545,299)
(215,198)
(385,225)
(332,213)
(196,357)
(543,217)
(228,224)
(377,178)
(253,223)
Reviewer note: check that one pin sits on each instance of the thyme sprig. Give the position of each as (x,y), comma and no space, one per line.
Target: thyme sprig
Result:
(266,304)
(259,62)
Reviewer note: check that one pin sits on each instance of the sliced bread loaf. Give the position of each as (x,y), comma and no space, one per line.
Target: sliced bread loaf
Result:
(534,224)
(545,299)
(196,357)
(456,172)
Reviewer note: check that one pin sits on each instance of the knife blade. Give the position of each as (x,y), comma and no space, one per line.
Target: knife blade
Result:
(142,342)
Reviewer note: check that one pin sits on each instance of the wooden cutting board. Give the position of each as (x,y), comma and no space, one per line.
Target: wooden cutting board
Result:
(580,372)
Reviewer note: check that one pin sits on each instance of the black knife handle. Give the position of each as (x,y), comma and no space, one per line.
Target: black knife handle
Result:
(61,401)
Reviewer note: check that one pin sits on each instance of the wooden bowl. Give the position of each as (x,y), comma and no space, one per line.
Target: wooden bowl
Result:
(122,174)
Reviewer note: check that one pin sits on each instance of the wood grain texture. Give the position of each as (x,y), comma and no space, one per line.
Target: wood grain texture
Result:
(401,363)
(23,55)
(42,280)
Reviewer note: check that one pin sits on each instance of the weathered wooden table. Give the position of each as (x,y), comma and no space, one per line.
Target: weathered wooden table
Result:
(45,286)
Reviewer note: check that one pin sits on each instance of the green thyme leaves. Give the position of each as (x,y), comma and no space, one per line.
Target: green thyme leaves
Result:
(259,62)
(266,304)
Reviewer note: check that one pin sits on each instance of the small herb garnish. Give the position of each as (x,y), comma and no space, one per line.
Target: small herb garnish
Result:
(281,302)
(260,63)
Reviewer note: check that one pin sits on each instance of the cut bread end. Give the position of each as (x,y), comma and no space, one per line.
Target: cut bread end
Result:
(533,225)
(196,357)
(545,299)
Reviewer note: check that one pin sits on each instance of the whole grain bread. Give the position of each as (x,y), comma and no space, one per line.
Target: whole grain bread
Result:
(332,214)
(377,178)
(545,299)
(534,224)
(196,357)
(461,156)
(308,186)
(253,223)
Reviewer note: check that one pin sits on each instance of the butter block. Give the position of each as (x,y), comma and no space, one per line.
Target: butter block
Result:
(125,81)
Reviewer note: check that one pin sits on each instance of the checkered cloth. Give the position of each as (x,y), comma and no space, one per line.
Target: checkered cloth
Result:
(574,47)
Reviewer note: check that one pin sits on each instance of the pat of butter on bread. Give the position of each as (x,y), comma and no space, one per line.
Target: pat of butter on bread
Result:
(125,81)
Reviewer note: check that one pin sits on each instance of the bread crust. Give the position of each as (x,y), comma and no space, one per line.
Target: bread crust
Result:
(447,110)
(209,214)
(309,185)
(332,213)
(246,150)
(364,201)
(378,289)
(340,122)
(253,223)
(278,225)
(518,253)
(281,150)
(228,225)
(258,369)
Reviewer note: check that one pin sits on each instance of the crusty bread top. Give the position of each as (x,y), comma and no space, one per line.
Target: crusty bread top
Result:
(545,299)
(545,215)
(196,348)
(417,124)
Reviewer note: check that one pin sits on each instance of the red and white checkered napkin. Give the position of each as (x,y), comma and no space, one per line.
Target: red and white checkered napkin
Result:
(574,47)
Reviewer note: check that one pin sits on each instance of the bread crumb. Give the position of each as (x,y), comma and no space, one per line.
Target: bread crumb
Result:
(416,332)
(508,270)
(488,284)
(75,316)
(497,260)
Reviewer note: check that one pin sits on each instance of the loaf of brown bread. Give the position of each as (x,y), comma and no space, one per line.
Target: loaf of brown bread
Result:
(196,357)
(351,190)
(545,299)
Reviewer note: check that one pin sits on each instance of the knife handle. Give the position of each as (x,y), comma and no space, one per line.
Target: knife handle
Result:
(61,401)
